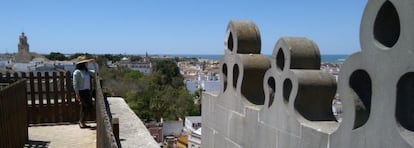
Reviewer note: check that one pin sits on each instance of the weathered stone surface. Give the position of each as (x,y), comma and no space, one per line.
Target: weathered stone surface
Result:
(252,103)
(375,83)
(132,131)
(242,36)
(286,101)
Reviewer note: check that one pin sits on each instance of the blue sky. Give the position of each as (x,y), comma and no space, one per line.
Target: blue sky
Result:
(174,26)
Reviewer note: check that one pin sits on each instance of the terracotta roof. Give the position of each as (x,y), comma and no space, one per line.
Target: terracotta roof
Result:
(183,139)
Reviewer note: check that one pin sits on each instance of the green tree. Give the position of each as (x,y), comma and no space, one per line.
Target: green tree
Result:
(113,58)
(132,75)
(76,55)
(56,56)
(136,58)
(101,60)
(159,95)
(168,73)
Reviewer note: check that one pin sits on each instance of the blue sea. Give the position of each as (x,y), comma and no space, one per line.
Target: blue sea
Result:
(324,58)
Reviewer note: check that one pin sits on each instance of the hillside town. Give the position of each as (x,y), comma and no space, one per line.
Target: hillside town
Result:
(26,61)
(199,75)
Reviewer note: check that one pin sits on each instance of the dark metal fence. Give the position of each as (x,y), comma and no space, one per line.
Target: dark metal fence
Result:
(13,114)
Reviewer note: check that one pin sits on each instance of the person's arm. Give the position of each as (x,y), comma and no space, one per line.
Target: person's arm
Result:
(95,67)
(76,80)
(93,73)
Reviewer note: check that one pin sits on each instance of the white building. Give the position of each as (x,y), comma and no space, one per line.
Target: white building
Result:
(192,123)
(172,128)
(4,63)
(194,139)
(193,127)
(144,66)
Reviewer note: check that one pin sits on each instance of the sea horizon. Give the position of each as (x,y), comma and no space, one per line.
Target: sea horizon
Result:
(325,58)
(334,58)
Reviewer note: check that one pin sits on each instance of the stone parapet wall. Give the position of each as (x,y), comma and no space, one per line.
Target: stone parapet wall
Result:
(286,101)
(132,130)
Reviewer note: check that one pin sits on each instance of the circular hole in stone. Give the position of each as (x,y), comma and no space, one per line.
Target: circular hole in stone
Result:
(405,101)
(235,75)
(230,42)
(387,25)
(280,59)
(361,84)
(287,89)
(272,88)
(224,70)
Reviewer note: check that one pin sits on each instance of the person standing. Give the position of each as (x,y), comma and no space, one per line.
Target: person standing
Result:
(82,86)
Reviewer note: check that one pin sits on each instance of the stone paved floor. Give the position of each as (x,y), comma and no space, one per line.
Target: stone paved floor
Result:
(62,136)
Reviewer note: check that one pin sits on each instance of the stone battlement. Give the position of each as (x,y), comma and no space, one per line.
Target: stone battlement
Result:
(286,101)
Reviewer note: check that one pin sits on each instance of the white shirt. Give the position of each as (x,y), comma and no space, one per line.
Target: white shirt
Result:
(86,80)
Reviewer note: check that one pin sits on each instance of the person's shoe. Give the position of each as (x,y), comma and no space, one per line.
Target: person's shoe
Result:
(83,125)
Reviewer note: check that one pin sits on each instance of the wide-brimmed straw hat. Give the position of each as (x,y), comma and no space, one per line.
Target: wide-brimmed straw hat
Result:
(82,59)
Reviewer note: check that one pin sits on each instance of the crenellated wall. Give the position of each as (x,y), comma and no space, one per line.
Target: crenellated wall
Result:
(286,101)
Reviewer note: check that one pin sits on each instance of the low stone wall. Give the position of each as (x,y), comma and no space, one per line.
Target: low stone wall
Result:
(132,132)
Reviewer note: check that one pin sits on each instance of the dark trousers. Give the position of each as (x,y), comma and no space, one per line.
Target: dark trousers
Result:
(86,103)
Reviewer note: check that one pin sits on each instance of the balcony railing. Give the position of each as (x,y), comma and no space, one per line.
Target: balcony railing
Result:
(46,98)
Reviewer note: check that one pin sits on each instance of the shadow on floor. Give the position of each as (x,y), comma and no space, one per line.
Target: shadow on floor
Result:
(36,144)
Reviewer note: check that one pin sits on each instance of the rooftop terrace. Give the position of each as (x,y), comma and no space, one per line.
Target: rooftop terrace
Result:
(62,136)
(38,110)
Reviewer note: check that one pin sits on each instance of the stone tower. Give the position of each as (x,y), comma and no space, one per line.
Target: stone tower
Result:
(23,46)
(23,55)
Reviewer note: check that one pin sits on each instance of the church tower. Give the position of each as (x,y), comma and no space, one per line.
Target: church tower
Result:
(23,46)
(23,54)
